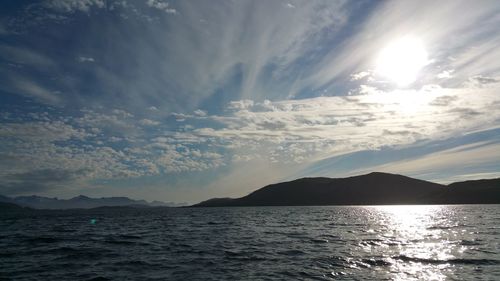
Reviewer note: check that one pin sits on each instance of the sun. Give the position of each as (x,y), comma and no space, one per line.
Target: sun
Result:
(401,60)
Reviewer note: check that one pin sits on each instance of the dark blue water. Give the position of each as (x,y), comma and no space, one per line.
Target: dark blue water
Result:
(323,243)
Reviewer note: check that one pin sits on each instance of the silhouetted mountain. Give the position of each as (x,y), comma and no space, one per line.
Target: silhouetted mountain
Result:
(79,202)
(13,210)
(11,207)
(370,189)
(214,202)
(9,210)
(473,192)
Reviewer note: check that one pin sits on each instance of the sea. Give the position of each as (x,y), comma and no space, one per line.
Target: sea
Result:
(459,242)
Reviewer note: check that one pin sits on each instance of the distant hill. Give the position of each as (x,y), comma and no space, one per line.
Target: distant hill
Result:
(472,192)
(370,189)
(11,208)
(8,210)
(79,202)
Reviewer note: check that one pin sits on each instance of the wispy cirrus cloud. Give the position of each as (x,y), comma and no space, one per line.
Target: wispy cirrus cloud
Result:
(466,48)
(33,90)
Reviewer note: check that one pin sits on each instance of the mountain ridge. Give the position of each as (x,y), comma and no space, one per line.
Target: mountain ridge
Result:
(80,202)
(375,188)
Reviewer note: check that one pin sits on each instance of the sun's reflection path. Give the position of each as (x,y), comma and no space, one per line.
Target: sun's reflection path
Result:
(417,240)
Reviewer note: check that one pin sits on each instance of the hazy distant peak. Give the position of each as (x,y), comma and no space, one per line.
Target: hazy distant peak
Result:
(80,202)
(80,197)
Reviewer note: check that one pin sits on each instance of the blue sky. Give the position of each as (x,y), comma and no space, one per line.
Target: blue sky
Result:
(187,100)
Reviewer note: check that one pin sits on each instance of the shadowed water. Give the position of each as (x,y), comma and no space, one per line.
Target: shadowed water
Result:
(323,243)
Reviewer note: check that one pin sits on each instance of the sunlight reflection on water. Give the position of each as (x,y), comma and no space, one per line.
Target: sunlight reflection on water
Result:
(423,247)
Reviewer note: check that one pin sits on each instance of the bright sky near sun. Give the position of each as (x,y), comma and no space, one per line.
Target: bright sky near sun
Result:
(402,60)
(187,100)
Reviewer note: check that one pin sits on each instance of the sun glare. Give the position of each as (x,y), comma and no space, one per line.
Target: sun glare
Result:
(401,60)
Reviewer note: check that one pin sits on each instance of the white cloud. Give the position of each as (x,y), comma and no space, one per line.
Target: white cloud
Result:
(174,161)
(86,59)
(445,74)
(149,122)
(310,129)
(359,75)
(70,6)
(181,117)
(27,153)
(41,131)
(161,5)
(94,146)
(200,113)
(118,122)
(479,81)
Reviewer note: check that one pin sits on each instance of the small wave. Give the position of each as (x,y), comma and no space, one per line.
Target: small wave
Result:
(216,223)
(373,262)
(7,255)
(62,229)
(343,262)
(448,261)
(338,273)
(69,253)
(234,253)
(99,278)
(133,263)
(129,236)
(485,251)
(334,261)
(120,242)
(243,256)
(319,241)
(469,243)
(371,242)
(65,250)
(446,227)
(42,240)
(292,253)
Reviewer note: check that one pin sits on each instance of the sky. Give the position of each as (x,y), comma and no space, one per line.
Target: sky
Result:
(186,100)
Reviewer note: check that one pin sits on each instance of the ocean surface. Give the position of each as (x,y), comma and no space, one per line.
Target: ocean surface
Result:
(263,243)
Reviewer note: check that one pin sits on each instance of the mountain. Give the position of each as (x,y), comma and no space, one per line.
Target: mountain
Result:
(11,208)
(78,202)
(370,189)
(485,191)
